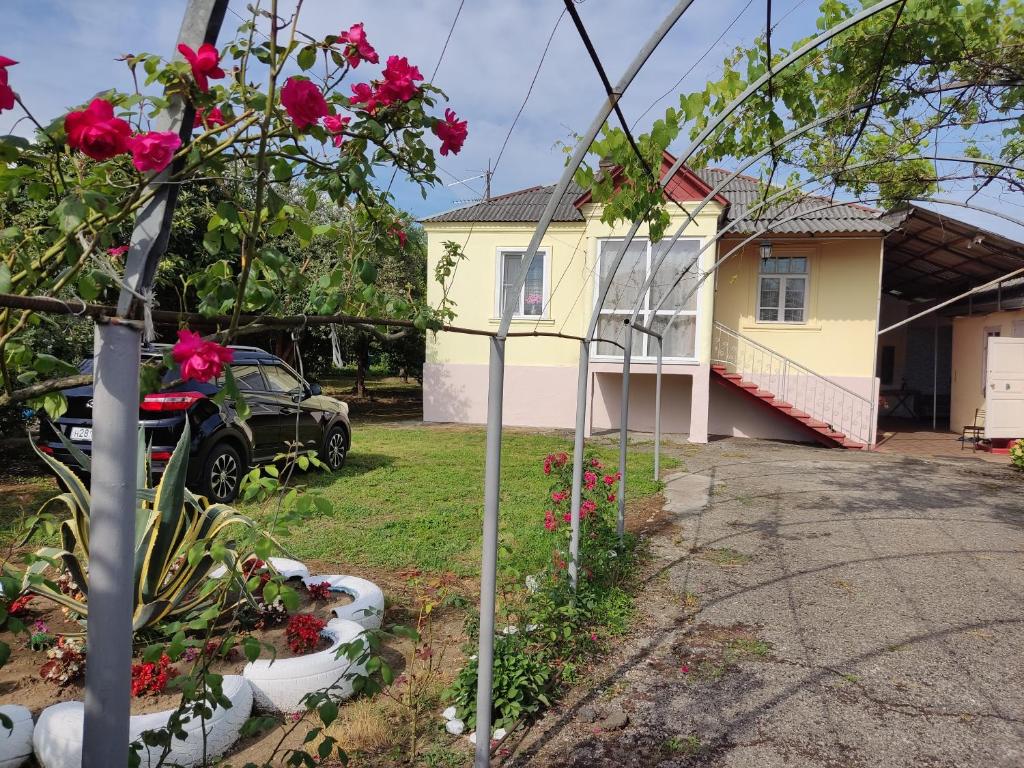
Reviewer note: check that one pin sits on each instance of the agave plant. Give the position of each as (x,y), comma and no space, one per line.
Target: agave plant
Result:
(179,540)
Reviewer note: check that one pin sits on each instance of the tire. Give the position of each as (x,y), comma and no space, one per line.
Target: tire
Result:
(335,448)
(222,474)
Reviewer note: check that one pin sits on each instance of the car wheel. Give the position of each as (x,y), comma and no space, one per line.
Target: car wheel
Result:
(222,474)
(335,449)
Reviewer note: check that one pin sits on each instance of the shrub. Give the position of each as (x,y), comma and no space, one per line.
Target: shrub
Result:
(1017,455)
(318,592)
(152,676)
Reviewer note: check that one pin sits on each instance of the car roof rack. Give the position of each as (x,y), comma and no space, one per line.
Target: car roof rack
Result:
(240,347)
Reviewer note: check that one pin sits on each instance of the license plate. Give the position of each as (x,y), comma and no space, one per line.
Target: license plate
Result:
(81,433)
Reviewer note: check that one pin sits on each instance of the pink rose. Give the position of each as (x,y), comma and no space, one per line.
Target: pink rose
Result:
(549,520)
(336,127)
(303,102)
(95,131)
(596,463)
(205,64)
(452,132)
(209,119)
(588,507)
(198,359)
(153,151)
(400,79)
(609,480)
(589,480)
(398,232)
(558,496)
(118,251)
(6,94)
(357,48)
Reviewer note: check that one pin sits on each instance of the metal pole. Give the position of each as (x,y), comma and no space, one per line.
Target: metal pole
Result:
(935,370)
(489,560)
(627,355)
(577,462)
(657,416)
(115,417)
(111,556)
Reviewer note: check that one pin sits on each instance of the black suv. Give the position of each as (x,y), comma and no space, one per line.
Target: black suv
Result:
(223,447)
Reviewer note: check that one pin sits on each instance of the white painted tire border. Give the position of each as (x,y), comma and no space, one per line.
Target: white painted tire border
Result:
(280,685)
(16,744)
(367,606)
(57,738)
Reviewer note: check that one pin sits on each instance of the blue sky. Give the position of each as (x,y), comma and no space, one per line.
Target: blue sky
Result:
(68,51)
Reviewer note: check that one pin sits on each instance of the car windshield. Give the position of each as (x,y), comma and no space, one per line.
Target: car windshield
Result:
(280,379)
(171,375)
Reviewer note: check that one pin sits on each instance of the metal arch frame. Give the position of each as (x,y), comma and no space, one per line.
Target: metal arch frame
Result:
(105,738)
(496,363)
(496,358)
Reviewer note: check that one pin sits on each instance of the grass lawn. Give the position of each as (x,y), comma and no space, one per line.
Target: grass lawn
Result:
(413,496)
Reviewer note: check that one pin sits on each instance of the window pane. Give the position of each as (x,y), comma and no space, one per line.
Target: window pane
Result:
(680,257)
(248,377)
(795,291)
(630,275)
(798,265)
(678,339)
(533,297)
(612,327)
(279,379)
(512,263)
(769,300)
(768,265)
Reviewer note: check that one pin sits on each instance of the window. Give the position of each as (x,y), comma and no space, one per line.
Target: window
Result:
(669,306)
(994,332)
(530,301)
(248,377)
(280,379)
(782,290)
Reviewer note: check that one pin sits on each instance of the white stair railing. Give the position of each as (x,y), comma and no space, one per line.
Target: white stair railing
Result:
(818,396)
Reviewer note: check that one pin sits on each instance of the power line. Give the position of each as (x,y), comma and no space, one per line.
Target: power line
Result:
(444,48)
(533,82)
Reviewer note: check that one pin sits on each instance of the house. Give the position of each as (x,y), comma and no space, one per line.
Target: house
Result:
(781,341)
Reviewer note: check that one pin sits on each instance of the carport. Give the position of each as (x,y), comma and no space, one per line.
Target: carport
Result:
(937,271)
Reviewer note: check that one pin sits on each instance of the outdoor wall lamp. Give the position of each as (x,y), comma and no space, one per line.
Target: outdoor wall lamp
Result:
(766,249)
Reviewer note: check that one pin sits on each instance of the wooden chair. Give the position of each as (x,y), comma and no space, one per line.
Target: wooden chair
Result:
(975,430)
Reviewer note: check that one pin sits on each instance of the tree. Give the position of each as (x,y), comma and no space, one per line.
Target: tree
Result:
(882,91)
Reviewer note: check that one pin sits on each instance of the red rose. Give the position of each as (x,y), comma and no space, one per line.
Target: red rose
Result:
(209,119)
(336,127)
(6,94)
(399,79)
(96,132)
(357,48)
(452,132)
(205,64)
(303,102)
(368,97)
(198,359)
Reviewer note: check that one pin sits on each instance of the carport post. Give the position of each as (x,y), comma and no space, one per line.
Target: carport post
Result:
(624,429)
(577,462)
(935,370)
(489,560)
(657,416)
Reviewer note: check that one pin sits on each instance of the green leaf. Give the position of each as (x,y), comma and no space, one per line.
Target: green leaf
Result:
(251,648)
(307,57)
(211,242)
(328,712)
(5,278)
(71,213)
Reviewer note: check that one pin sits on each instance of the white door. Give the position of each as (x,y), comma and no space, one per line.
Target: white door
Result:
(1004,391)
(1018,329)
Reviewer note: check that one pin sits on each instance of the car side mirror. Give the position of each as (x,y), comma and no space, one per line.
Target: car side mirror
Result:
(315,389)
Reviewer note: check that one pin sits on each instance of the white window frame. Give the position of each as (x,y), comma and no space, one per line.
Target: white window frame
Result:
(648,345)
(499,273)
(783,278)
(990,331)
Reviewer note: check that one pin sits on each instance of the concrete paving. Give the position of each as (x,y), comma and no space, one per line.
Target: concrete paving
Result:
(809,607)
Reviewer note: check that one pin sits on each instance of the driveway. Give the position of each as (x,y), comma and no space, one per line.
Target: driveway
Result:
(809,607)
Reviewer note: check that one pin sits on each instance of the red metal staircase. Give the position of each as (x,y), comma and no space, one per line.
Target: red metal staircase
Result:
(825,410)
(816,429)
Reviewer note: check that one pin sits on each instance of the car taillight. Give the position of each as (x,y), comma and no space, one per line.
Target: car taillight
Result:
(160,456)
(170,401)
(44,448)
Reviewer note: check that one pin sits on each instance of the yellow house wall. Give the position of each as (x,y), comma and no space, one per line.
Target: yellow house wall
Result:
(572,251)
(966,394)
(838,337)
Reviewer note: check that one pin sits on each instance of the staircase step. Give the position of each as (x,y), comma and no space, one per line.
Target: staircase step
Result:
(748,385)
(732,377)
(764,394)
(782,405)
(719,368)
(798,414)
(853,445)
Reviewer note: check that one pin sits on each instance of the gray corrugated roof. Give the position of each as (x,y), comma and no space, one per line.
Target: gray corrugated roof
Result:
(523,205)
(526,205)
(745,191)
